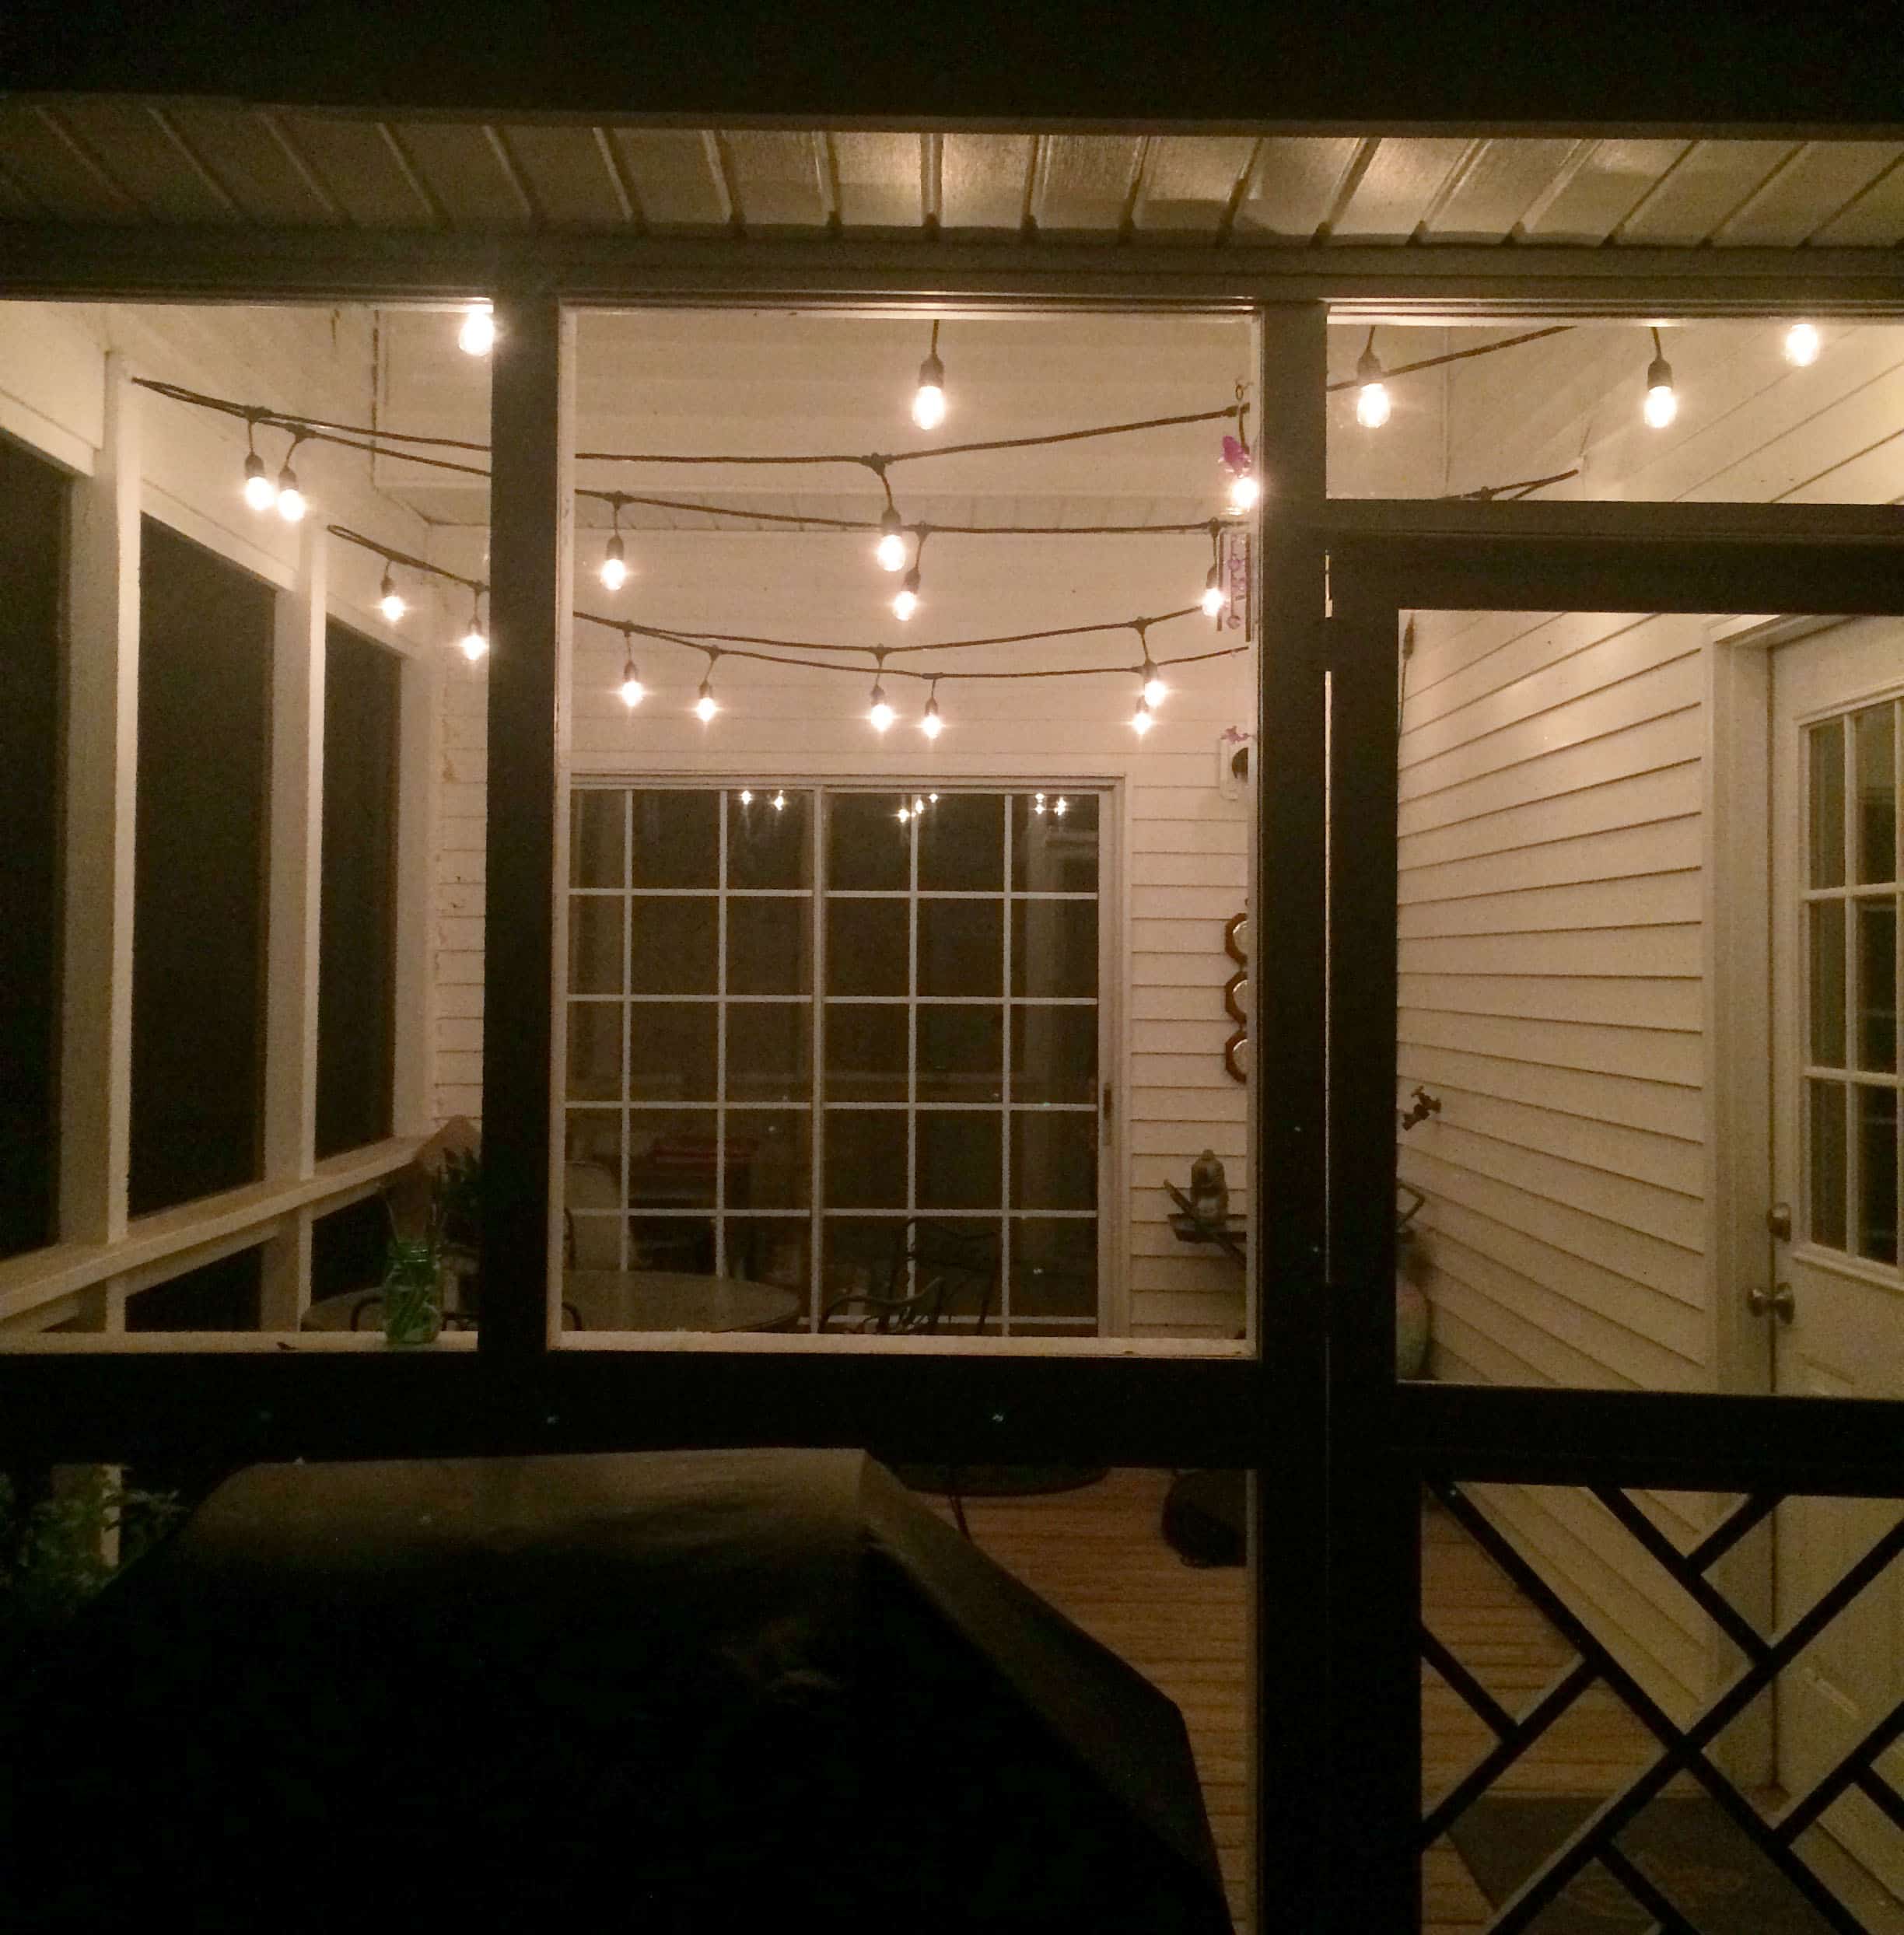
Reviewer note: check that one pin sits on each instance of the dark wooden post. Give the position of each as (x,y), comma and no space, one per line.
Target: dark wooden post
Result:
(530,544)
(1289,974)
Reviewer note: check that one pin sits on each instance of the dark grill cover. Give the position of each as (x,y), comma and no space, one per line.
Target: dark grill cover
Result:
(667,1690)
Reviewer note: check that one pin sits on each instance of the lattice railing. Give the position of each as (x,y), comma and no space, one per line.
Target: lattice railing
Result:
(1682,1751)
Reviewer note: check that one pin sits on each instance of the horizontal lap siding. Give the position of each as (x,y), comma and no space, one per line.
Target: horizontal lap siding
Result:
(1551,961)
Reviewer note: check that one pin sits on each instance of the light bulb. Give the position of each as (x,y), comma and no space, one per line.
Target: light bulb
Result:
(260,492)
(290,499)
(1141,721)
(1037,802)
(474,644)
(389,599)
(706,706)
(1245,491)
(746,798)
(1662,401)
(1061,806)
(881,714)
(477,336)
(633,692)
(918,806)
(614,569)
(890,550)
(932,725)
(928,403)
(1212,599)
(1802,343)
(906,601)
(1372,405)
(1155,691)
(905,814)
(779,802)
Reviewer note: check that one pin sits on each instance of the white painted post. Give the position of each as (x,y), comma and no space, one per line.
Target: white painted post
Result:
(419,739)
(102,771)
(294,873)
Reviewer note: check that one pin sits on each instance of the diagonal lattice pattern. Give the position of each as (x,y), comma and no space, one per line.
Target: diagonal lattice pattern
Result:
(1681,1750)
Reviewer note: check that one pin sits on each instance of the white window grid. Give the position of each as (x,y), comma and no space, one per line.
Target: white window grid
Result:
(815,1104)
(1853,1086)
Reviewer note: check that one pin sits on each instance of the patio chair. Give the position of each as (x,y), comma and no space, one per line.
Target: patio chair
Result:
(937,1273)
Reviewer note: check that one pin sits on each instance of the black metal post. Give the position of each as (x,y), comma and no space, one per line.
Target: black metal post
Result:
(529,515)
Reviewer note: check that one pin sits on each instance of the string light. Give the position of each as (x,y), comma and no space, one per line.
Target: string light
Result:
(1142,720)
(389,599)
(1372,397)
(778,803)
(1213,599)
(930,723)
(477,336)
(906,600)
(706,704)
(290,499)
(1151,682)
(1244,490)
(614,569)
(1037,802)
(879,713)
(1662,401)
(746,798)
(890,550)
(1802,343)
(928,403)
(260,492)
(1061,806)
(633,692)
(474,644)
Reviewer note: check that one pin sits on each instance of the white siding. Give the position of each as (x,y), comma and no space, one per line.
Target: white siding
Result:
(1180,864)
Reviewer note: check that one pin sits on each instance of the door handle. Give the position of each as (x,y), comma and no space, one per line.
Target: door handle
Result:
(1779,1302)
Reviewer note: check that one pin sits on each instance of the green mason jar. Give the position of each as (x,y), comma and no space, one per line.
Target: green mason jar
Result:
(412,1292)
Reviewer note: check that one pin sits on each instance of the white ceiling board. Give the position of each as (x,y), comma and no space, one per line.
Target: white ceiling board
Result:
(574,184)
(468,173)
(1818,182)
(1591,197)
(1190,182)
(879,180)
(355,160)
(1709,181)
(1497,188)
(778,180)
(1085,181)
(1295,186)
(237,145)
(983,180)
(145,161)
(673,177)
(43,157)
(1397,189)
(1875,220)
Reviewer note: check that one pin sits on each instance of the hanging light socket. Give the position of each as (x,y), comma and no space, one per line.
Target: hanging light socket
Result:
(879,713)
(633,692)
(906,601)
(1372,398)
(928,403)
(890,550)
(260,492)
(389,599)
(290,499)
(614,569)
(1662,400)
(930,723)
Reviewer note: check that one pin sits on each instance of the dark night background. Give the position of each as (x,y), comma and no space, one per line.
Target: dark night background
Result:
(1482,65)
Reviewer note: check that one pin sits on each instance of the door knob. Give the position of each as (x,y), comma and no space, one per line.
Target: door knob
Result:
(1779,1301)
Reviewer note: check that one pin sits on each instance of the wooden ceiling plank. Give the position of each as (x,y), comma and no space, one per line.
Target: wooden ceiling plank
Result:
(1801,197)
(122,142)
(1875,220)
(1503,180)
(569,173)
(360,168)
(673,177)
(398,148)
(459,171)
(1398,188)
(982,180)
(1710,180)
(775,184)
(245,150)
(1190,183)
(1087,181)
(1296,181)
(879,177)
(175,135)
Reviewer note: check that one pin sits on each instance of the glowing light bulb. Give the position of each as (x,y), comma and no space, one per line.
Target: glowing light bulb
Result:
(633,692)
(778,803)
(1037,802)
(477,336)
(614,569)
(1141,721)
(474,644)
(1245,491)
(1213,598)
(290,499)
(260,492)
(1155,691)
(881,714)
(928,403)
(890,550)
(906,601)
(746,798)
(1662,401)
(1802,343)
(905,814)
(389,599)
(1372,405)
(707,705)
(1061,806)
(932,725)
(918,806)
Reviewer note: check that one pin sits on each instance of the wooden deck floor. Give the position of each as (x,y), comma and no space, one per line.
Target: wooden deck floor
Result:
(1100,1556)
